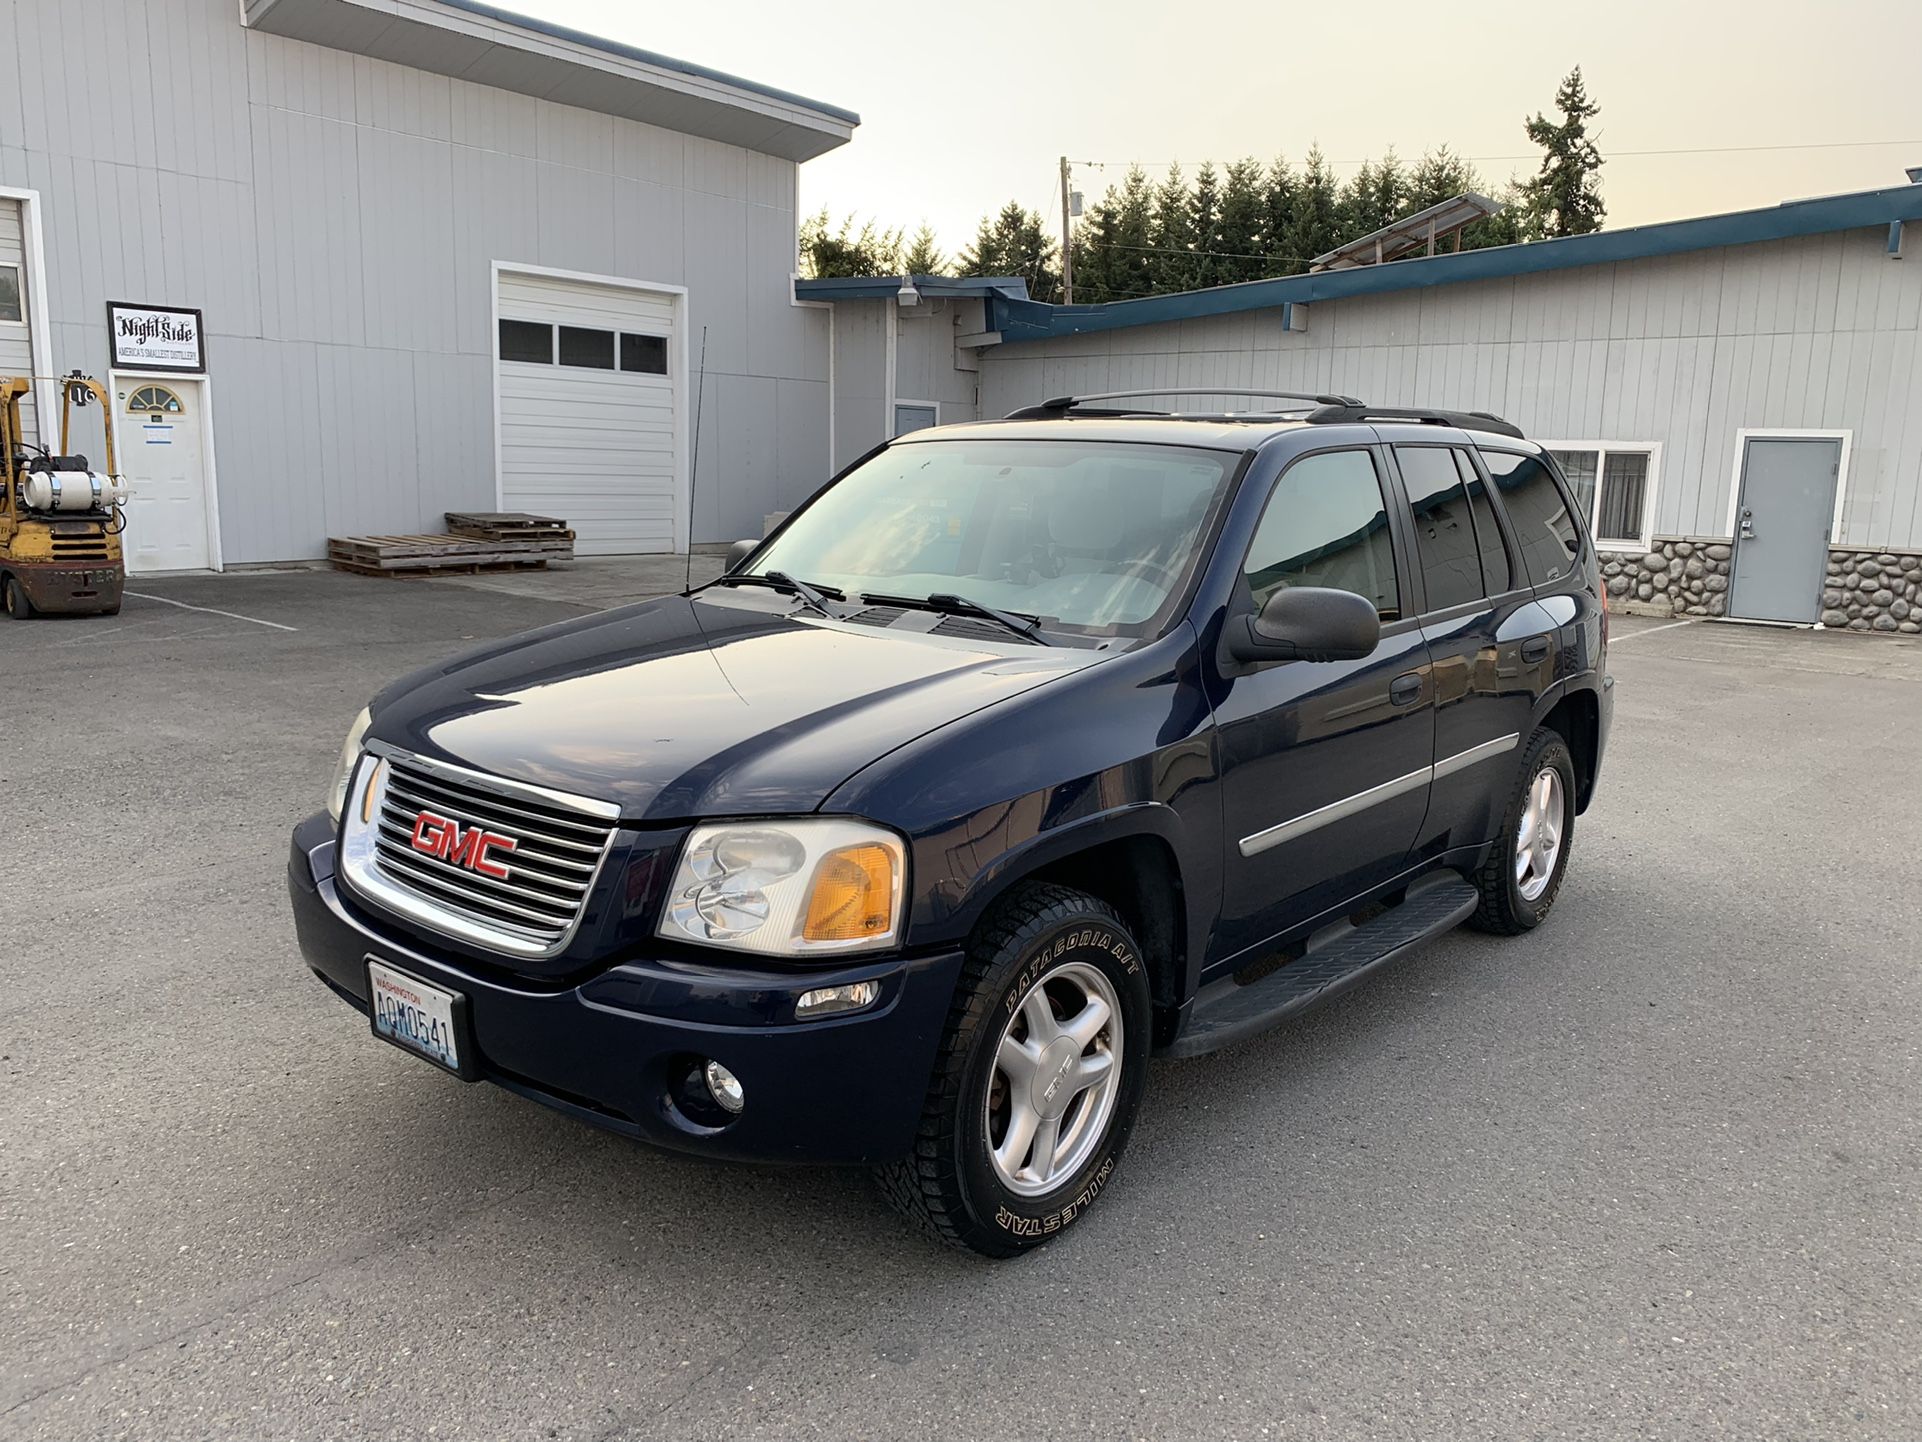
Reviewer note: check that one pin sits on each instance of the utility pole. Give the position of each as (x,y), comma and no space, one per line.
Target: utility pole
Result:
(1067,241)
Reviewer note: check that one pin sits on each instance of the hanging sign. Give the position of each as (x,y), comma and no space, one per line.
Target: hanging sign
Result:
(155,337)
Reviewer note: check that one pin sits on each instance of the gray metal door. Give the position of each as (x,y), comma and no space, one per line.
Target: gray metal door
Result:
(1782,519)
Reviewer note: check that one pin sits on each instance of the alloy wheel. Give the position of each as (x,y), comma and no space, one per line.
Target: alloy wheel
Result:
(1538,840)
(1057,1073)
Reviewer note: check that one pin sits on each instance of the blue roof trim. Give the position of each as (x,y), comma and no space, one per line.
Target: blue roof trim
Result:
(646,57)
(935,287)
(1019,320)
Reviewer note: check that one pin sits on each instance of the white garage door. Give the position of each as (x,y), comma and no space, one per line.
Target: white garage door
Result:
(588,408)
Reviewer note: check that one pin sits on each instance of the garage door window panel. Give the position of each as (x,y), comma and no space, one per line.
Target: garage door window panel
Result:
(1326,524)
(644,354)
(10,294)
(587,349)
(528,342)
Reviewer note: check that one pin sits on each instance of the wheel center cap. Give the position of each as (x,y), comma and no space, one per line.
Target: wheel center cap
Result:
(1053,1089)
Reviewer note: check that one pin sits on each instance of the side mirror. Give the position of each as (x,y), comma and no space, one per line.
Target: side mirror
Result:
(739,552)
(1306,623)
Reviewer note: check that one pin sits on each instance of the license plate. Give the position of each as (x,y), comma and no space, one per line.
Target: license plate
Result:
(426,1020)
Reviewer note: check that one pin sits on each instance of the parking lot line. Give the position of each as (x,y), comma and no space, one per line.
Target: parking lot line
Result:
(1631,635)
(230,615)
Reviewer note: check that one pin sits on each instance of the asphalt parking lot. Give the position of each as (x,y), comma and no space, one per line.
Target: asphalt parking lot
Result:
(1655,1169)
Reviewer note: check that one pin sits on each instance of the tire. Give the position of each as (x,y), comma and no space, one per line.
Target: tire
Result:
(1043,946)
(1516,893)
(18,606)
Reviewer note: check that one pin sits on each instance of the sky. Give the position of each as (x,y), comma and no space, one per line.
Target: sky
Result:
(966,108)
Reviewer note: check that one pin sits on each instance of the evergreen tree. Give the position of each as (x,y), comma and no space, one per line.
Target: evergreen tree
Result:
(827,251)
(1172,236)
(1391,189)
(1237,234)
(1315,226)
(1113,246)
(1565,195)
(1204,215)
(1014,242)
(1440,175)
(1278,217)
(924,255)
(1356,211)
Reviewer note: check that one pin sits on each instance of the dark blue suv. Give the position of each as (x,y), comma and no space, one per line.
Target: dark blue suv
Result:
(1025,750)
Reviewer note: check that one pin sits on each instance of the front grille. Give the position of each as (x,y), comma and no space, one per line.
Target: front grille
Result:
(551,867)
(80,548)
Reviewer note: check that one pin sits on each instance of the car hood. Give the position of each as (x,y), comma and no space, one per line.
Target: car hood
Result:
(688,706)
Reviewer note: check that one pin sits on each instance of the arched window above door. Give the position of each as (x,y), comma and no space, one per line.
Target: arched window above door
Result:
(154,398)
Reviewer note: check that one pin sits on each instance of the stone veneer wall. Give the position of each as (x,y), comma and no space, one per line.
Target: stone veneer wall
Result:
(1688,576)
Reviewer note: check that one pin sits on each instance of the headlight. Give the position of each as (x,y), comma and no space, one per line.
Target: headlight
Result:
(788,888)
(349,754)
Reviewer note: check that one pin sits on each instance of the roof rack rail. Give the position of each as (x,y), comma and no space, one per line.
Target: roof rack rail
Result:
(1060,406)
(1348,411)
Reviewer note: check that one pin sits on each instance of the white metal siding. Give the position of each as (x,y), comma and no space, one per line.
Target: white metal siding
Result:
(16,341)
(337,218)
(595,447)
(1683,350)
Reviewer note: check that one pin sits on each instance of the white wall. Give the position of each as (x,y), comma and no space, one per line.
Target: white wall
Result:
(336,218)
(1684,350)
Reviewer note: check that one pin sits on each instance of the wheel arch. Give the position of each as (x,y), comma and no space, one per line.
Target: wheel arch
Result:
(1130,859)
(1575,713)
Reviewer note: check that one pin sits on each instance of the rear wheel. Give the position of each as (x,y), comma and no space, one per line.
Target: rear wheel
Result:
(18,606)
(1523,873)
(1038,1080)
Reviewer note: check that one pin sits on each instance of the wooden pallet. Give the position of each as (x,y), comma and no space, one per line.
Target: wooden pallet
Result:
(507,526)
(425,555)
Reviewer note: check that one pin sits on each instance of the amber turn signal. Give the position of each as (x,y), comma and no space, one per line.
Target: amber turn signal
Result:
(853,895)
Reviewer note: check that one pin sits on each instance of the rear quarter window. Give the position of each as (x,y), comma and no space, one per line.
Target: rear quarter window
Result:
(1546,534)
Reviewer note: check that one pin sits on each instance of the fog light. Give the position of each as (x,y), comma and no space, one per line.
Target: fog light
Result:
(724,1087)
(827,1000)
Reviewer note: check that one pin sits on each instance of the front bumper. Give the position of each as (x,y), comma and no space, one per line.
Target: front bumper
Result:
(61,588)
(611,1049)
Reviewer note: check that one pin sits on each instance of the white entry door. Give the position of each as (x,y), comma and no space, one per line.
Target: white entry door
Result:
(160,455)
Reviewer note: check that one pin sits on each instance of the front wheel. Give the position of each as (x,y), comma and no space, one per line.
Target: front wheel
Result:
(1524,870)
(1038,1080)
(18,606)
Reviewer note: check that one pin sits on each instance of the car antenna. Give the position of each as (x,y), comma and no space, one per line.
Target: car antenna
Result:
(694,464)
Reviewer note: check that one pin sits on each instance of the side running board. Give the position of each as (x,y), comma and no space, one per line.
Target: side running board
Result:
(1227,1012)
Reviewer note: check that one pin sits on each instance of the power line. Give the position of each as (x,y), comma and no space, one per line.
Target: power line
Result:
(1535,155)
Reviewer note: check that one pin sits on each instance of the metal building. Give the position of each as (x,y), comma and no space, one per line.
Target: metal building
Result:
(373,260)
(1737,398)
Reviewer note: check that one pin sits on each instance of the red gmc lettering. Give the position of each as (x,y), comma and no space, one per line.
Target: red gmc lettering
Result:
(439,837)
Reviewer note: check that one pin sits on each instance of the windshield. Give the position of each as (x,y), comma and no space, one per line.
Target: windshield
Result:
(1087,535)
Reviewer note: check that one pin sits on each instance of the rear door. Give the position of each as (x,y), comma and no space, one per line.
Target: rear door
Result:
(1324,763)
(1488,640)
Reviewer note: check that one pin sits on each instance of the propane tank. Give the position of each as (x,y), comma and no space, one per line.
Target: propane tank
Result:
(72,491)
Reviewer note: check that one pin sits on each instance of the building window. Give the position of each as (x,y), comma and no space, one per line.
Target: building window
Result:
(1614,482)
(10,293)
(589,349)
(154,399)
(644,354)
(528,341)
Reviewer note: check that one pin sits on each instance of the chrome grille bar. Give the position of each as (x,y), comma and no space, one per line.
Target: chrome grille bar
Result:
(559,845)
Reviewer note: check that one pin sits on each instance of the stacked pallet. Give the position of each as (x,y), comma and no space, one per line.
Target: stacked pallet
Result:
(482,541)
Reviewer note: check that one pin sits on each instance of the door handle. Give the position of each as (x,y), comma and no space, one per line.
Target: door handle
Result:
(1405,690)
(1535,649)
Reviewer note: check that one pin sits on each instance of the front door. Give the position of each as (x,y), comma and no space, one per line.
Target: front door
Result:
(1783,514)
(160,454)
(1324,763)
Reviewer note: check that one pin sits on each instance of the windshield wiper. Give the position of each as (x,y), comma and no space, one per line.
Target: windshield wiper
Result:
(1028,627)
(814,598)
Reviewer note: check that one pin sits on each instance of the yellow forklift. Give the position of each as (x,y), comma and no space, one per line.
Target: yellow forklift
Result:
(60,520)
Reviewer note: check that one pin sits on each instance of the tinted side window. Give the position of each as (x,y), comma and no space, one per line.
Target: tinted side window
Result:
(1326,525)
(1548,539)
(1496,573)
(1451,567)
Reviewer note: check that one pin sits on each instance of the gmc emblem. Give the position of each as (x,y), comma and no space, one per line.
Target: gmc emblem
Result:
(443,839)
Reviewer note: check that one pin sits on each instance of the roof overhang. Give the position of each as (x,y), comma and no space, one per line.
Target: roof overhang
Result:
(1020,320)
(931,287)
(469,40)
